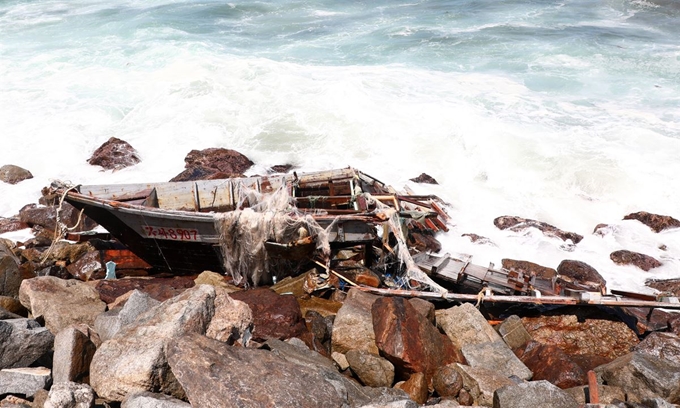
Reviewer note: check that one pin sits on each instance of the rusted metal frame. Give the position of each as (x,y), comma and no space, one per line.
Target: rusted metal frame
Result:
(544,300)
(593,391)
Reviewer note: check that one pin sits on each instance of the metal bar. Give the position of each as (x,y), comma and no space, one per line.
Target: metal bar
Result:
(593,392)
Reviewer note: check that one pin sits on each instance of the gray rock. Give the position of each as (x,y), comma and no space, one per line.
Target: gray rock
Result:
(407,403)
(7,315)
(60,302)
(513,332)
(22,342)
(340,360)
(481,383)
(12,174)
(24,380)
(606,393)
(10,278)
(73,352)
(643,376)
(134,360)
(498,357)
(535,394)
(353,324)
(152,400)
(372,370)
(465,325)
(231,320)
(108,324)
(665,346)
(70,395)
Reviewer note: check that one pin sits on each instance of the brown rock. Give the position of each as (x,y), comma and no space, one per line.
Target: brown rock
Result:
(424,178)
(478,239)
(371,370)
(12,224)
(160,289)
(114,154)
(213,163)
(274,316)
(368,278)
(281,168)
(424,241)
(73,351)
(353,325)
(604,338)
(325,307)
(447,382)
(548,362)
(215,279)
(642,261)
(464,398)
(416,387)
(519,224)
(528,268)
(409,340)
(88,267)
(424,307)
(665,346)
(13,305)
(47,217)
(579,275)
(12,174)
(656,222)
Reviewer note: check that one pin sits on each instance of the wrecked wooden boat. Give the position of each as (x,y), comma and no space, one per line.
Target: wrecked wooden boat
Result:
(241,226)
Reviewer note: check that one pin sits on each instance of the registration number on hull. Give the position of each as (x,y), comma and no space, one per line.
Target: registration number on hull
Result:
(172,234)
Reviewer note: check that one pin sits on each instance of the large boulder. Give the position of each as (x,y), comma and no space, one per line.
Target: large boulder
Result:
(642,261)
(465,325)
(528,268)
(213,163)
(496,356)
(73,352)
(642,376)
(581,276)
(109,323)
(519,224)
(148,399)
(22,342)
(481,383)
(656,222)
(10,277)
(371,370)
(353,325)
(12,174)
(114,154)
(160,289)
(409,340)
(46,217)
(231,320)
(60,302)
(513,332)
(24,380)
(665,346)
(550,363)
(274,316)
(535,394)
(70,394)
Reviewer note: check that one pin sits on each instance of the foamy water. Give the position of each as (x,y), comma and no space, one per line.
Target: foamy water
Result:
(566,113)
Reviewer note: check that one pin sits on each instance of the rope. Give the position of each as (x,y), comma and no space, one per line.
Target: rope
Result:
(60,228)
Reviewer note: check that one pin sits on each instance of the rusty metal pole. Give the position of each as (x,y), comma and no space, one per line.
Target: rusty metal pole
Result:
(593,393)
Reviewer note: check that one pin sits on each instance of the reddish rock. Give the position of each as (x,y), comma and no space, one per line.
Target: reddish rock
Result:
(416,388)
(281,168)
(478,239)
(549,362)
(464,398)
(160,289)
(12,224)
(665,346)
(602,229)
(47,217)
(368,278)
(12,174)
(213,163)
(656,222)
(274,316)
(642,261)
(447,381)
(528,268)
(424,178)
(88,267)
(409,340)
(599,337)
(648,320)
(580,275)
(520,224)
(114,154)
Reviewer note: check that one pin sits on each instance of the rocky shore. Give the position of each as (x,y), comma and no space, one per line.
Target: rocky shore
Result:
(71,338)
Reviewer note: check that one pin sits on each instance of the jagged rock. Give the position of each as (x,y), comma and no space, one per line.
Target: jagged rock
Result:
(108,324)
(642,376)
(481,383)
(552,364)
(424,178)
(415,387)
(73,351)
(213,163)
(425,308)
(12,174)
(447,381)
(642,261)
(46,217)
(88,267)
(465,325)
(215,374)
(528,268)
(340,360)
(114,154)
(532,394)
(22,342)
(232,318)
(24,380)
(11,224)
(281,168)
(579,275)
(496,356)
(519,224)
(60,302)
(665,346)
(513,332)
(605,338)
(321,329)
(478,239)
(152,400)
(10,277)
(656,222)
(135,360)
(371,370)
(12,401)
(607,394)
(274,316)
(70,395)
(409,340)
(215,279)
(160,289)
(353,325)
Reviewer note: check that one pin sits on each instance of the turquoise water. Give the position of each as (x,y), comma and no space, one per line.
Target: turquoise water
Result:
(563,111)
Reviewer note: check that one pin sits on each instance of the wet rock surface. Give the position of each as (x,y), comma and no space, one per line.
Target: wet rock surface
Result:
(656,222)
(642,261)
(213,163)
(12,174)
(424,178)
(519,224)
(579,275)
(114,154)
(528,268)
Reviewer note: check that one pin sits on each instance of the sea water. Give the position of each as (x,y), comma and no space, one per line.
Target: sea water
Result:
(567,112)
